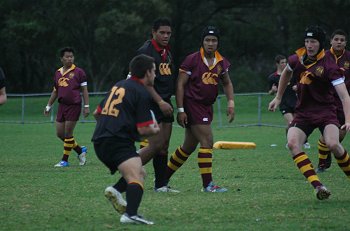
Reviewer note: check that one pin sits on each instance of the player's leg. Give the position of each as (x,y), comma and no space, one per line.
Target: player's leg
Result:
(331,136)
(324,155)
(296,138)
(204,135)
(68,139)
(60,132)
(160,158)
(181,154)
(133,172)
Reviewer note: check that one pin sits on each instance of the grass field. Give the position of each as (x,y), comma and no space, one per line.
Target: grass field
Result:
(266,191)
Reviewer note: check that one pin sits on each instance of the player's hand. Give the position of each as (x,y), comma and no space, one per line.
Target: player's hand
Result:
(182,119)
(86,112)
(47,110)
(166,108)
(274,104)
(230,112)
(346,127)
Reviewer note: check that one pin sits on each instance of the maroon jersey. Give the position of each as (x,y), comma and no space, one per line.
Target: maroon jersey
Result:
(202,85)
(343,61)
(68,85)
(315,86)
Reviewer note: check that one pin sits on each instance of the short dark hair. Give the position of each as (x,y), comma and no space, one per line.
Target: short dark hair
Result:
(278,58)
(339,32)
(140,64)
(66,49)
(161,22)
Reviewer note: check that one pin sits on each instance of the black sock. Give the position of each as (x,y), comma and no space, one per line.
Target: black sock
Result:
(134,194)
(160,164)
(121,185)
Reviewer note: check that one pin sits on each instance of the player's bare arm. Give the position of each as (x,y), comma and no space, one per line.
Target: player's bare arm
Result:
(52,99)
(181,114)
(164,106)
(345,99)
(228,89)
(286,75)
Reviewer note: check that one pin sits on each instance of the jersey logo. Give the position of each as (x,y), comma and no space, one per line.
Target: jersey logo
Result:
(62,82)
(115,97)
(71,75)
(209,78)
(319,71)
(304,77)
(346,65)
(164,69)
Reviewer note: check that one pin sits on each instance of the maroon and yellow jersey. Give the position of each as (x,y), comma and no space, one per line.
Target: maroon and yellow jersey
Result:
(343,61)
(315,83)
(202,85)
(68,85)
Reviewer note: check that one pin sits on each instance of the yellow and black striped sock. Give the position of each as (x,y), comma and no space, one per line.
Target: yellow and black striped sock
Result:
(323,152)
(205,160)
(77,148)
(134,192)
(143,143)
(344,163)
(68,145)
(305,166)
(176,160)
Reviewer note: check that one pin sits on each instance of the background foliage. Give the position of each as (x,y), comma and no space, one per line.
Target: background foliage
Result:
(106,34)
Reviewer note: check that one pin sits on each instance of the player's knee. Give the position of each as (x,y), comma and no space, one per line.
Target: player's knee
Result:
(143,173)
(333,145)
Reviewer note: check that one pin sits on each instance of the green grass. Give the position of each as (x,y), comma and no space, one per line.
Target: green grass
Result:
(266,190)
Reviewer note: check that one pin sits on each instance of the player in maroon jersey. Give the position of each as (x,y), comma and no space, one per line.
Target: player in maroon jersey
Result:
(197,89)
(317,77)
(69,82)
(339,55)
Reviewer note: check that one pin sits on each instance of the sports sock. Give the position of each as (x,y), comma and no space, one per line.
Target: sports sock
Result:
(344,163)
(305,166)
(68,145)
(134,194)
(121,185)
(160,165)
(176,160)
(205,160)
(77,148)
(323,153)
(143,143)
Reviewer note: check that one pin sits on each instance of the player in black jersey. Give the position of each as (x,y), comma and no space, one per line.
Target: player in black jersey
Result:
(3,96)
(125,117)
(162,90)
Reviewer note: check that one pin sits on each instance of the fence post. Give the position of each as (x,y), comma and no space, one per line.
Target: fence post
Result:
(23,107)
(259,110)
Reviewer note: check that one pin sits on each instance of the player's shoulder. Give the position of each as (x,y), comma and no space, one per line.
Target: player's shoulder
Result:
(146,48)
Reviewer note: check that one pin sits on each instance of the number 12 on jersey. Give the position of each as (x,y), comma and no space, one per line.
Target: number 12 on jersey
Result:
(115,97)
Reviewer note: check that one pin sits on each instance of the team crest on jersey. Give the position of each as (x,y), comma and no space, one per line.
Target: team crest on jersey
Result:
(209,78)
(71,75)
(346,65)
(62,82)
(164,69)
(319,71)
(305,77)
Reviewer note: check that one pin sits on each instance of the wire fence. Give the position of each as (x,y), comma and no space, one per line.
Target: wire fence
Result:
(250,110)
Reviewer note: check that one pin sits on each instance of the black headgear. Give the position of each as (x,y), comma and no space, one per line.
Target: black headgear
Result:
(210,30)
(316,32)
